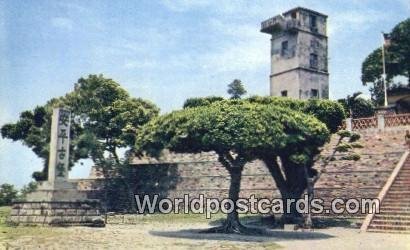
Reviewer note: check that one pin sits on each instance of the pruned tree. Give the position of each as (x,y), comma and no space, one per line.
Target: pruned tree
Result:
(238,132)
(292,167)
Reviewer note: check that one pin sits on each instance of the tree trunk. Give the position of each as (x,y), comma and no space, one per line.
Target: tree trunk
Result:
(310,193)
(289,188)
(232,223)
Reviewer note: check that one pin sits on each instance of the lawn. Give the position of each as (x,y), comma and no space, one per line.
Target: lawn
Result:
(134,231)
(172,231)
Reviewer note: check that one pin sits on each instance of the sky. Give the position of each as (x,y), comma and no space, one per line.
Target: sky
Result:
(164,51)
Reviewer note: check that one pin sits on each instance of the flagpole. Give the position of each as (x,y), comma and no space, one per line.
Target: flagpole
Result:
(384,72)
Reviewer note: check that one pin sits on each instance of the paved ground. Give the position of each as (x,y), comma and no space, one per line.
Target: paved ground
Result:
(176,235)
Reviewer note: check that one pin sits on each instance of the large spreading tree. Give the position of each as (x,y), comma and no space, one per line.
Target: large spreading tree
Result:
(238,132)
(397,58)
(292,171)
(104,119)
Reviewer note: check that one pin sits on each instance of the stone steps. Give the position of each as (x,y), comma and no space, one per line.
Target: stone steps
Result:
(389,228)
(394,216)
(392,209)
(385,222)
(402,199)
(387,231)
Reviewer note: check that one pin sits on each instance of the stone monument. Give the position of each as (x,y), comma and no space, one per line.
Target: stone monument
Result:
(57,200)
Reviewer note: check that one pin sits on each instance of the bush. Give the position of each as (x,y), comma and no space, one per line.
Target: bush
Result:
(362,108)
(7,194)
(201,101)
(357,107)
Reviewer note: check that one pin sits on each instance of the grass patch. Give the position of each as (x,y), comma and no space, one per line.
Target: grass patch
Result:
(8,232)
(162,218)
(173,218)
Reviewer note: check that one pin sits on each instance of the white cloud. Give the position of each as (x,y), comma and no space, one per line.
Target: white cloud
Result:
(354,20)
(406,4)
(62,23)
(143,64)
(241,56)
(184,5)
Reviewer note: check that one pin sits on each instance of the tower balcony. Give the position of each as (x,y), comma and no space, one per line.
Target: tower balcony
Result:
(274,24)
(279,23)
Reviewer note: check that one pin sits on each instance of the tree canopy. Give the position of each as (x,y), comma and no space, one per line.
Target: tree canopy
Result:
(8,193)
(357,107)
(329,112)
(104,118)
(236,89)
(397,58)
(238,132)
(201,101)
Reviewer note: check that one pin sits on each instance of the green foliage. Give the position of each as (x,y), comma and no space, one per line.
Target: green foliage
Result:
(356,145)
(201,101)
(400,48)
(104,118)
(30,187)
(397,58)
(343,147)
(236,89)
(7,194)
(357,107)
(329,112)
(248,129)
(344,133)
(351,157)
(354,137)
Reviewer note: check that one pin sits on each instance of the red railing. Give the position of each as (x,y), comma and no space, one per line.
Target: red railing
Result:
(364,123)
(386,121)
(396,120)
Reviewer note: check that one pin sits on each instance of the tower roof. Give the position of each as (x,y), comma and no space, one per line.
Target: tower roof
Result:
(304,9)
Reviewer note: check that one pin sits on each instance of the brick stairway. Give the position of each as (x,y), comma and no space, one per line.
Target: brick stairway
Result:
(394,213)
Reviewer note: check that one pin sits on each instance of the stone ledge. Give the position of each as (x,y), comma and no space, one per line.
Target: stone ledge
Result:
(54,213)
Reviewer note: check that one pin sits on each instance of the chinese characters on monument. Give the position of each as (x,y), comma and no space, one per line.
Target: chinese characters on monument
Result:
(59,145)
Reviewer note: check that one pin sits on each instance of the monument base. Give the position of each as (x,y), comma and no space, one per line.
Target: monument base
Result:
(57,204)
(56,191)
(57,213)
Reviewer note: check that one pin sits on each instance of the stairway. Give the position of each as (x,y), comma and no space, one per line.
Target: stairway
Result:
(394,216)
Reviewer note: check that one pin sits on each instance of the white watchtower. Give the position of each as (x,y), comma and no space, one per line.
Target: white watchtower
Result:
(299,60)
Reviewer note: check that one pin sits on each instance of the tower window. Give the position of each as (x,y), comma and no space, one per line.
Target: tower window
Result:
(314,93)
(313,61)
(293,15)
(314,44)
(284,93)
(284,48)
(313,21)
